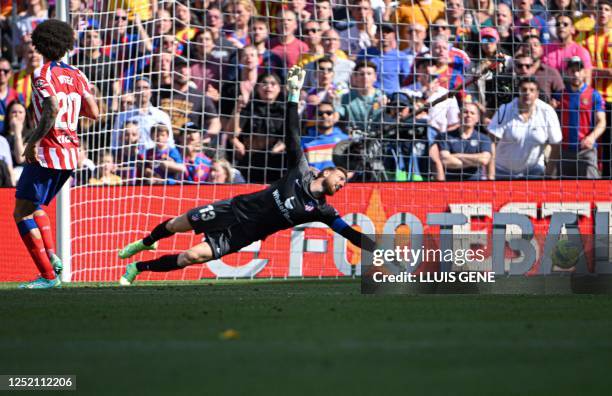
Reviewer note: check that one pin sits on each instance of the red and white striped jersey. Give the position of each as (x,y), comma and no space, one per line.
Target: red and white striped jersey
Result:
(59,149)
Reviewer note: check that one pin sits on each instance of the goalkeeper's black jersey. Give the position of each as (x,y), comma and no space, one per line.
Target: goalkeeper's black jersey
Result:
(288,201)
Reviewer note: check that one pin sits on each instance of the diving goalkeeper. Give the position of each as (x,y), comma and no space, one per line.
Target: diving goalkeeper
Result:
(229,225)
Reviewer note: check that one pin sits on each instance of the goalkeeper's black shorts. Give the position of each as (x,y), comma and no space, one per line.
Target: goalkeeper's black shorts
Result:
(224,233)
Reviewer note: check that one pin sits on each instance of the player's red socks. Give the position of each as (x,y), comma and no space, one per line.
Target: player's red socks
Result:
(36,247)
(44,225)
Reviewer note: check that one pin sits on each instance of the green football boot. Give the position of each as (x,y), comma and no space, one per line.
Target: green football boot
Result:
(131,272)
(42,283)
(134,248)
(58,267)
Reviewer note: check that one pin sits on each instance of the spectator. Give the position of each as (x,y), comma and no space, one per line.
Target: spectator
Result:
(392,65)
(222,172)
(416,43)
(106,172)
(22,80)
(321,139)
(443,116)
(359,107)
(224,50)
(161,69)
(598,46)
(484,11)
(268,61)
(422,12)
(7,94)
(138,9)
(243,10)
(556,7)
(168,43)
(343,67)
(583,121)
(449,67)
(163,22)
(299,8)
(197,164)
(524,127)
(494,87)
(258,129)
(324,14)
(238,91)
(144,114)
(185,23)
(362,31)
(465,151)
(441,28)
(312,34)
(162,163)
(98,67)
(556,54)
(205,69)
(27,21)
(526,22)
(505,28)
(324,91)
(585,23)
(185,103)
(6,177)
(528,62)
(86,167)
(287,46)
(15,130)
(461,24)
(130,153)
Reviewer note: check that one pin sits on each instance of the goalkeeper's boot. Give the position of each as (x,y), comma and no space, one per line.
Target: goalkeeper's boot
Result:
(58,267)
(42,283)
(134,248)
(131,272)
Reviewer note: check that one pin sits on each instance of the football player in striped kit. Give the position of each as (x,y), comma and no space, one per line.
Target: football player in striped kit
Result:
(60,93)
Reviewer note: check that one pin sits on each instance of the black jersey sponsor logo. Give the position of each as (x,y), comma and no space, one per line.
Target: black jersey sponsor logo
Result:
(281,206)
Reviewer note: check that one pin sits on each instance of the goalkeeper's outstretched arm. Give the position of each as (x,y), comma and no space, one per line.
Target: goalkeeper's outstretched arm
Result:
(295,155)
(356,237)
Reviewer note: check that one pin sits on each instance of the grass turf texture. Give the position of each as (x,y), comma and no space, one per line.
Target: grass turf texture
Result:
(306,337)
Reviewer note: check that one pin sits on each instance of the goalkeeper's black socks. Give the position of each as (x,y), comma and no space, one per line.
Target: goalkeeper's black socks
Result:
(159,232)
(165,263)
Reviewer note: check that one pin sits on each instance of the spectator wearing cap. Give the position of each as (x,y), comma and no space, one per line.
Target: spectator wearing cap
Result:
(343,67)
(361,34)
(391,63)
(465,151)
(526,22)
(319,142)
(287,46)
(523,129)
(416,43)
(598,45)
(494,86)
(422,12)
(185,103)
(359,107)
(528,62)
(583,122)
(144,114)
(556,54)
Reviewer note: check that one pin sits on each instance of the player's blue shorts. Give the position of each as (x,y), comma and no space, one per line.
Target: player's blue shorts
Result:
(40,185)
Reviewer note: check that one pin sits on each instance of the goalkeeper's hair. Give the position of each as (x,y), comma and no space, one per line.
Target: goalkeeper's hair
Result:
(53,39)
(331,169)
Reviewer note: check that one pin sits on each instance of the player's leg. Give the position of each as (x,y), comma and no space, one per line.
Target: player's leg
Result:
(161,231)
(32,239)
(44,225)
(197,254)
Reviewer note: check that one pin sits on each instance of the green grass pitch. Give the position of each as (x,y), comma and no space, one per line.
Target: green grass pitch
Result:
(306,337)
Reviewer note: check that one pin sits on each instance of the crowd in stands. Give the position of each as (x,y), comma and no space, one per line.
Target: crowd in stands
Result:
(192,91)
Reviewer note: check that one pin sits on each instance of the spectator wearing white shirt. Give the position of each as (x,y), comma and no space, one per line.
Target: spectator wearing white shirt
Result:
(524,128)
(144,114)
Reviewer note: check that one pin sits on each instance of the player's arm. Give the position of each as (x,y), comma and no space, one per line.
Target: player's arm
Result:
(90,108)
(355,237)
(295,155)
(50,108)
